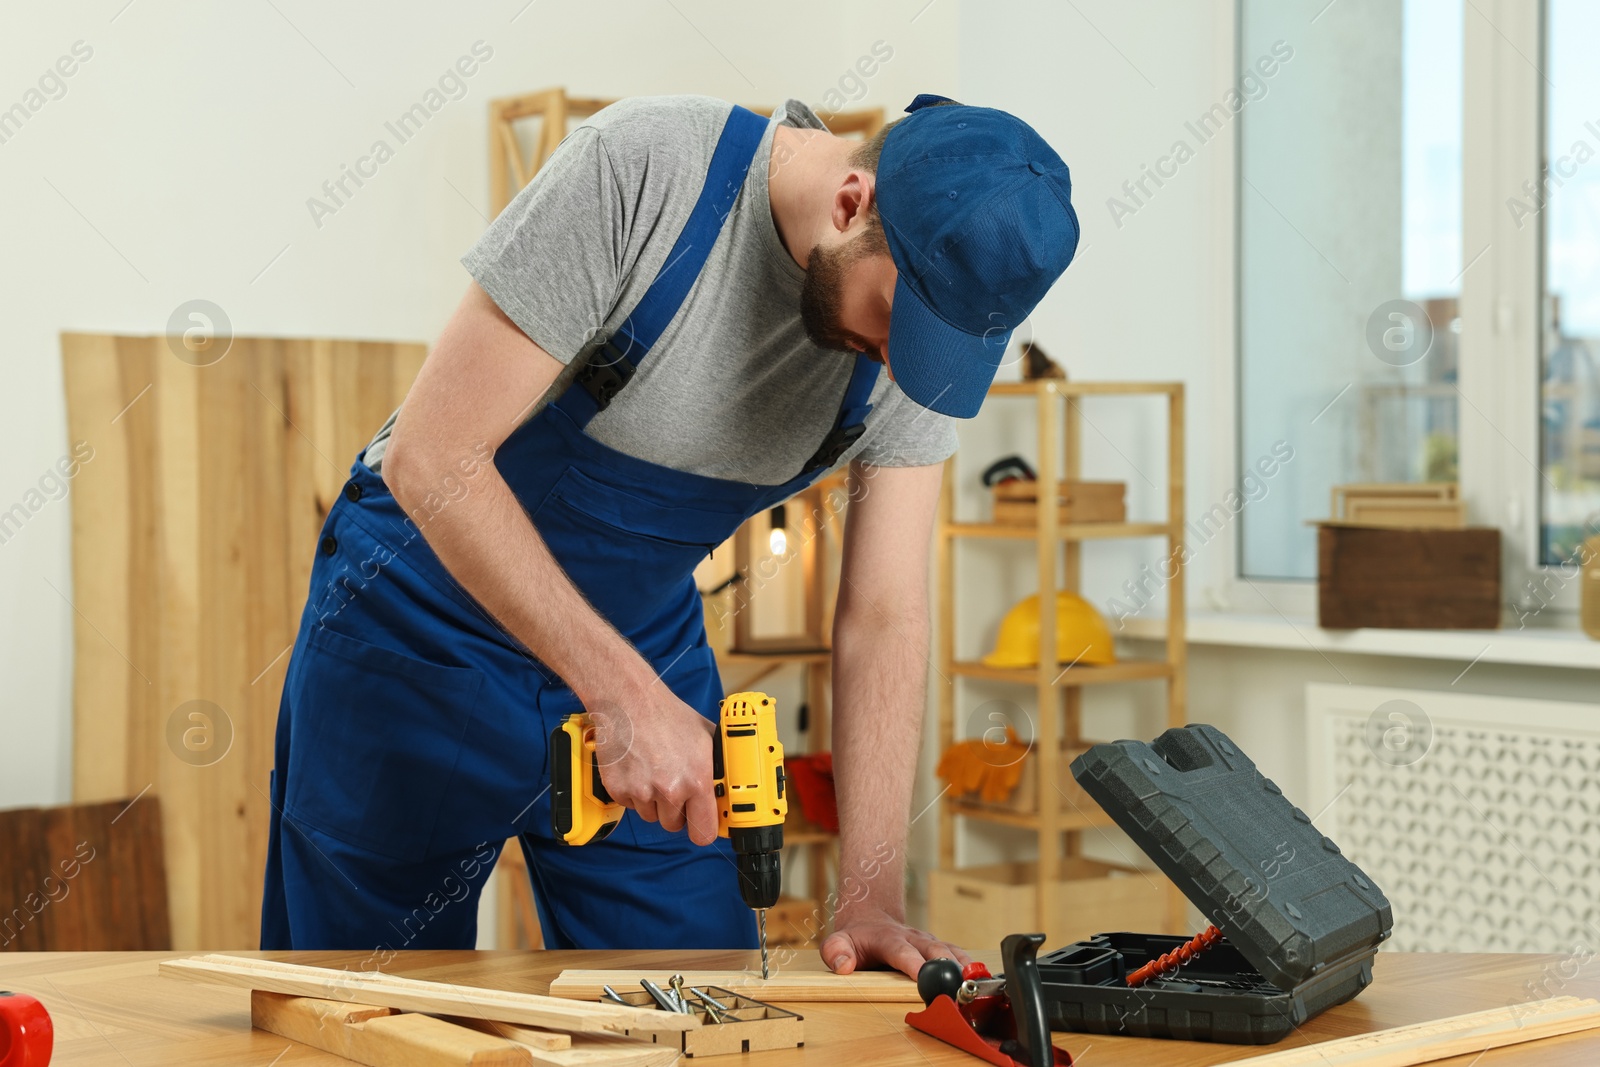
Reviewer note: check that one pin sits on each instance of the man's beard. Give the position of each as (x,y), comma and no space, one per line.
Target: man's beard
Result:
(822,295)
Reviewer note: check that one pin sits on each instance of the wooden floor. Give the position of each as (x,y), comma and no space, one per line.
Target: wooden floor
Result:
(110,1009)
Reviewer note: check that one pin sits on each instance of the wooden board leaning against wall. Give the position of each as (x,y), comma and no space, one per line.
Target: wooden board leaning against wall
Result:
(193,529)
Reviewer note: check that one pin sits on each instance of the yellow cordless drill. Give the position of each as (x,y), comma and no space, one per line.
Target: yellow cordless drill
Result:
(747,766)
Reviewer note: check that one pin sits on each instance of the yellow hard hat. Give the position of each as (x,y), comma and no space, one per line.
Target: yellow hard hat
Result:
(1082,636)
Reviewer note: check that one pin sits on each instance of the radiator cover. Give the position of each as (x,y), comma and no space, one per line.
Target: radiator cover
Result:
(1479,816)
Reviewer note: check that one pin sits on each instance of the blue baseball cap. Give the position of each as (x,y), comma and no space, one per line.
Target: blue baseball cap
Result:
(978,213)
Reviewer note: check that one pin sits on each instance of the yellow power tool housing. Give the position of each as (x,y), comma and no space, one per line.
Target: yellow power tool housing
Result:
(581,810)
(751,791)
(752,798)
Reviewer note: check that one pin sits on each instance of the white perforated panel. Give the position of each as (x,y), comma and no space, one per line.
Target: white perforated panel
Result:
(1478,817)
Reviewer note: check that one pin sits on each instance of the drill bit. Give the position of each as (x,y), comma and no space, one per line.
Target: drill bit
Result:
(764,974)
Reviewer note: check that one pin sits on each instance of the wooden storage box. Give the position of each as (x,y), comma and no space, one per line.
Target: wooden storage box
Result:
(1017,502)
(978,906)
(1408,579)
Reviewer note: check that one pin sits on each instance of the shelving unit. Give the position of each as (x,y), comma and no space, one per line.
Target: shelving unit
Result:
(1058,820)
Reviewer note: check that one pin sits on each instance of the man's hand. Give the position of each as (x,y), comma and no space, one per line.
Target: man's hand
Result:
(865,937)
(655,757)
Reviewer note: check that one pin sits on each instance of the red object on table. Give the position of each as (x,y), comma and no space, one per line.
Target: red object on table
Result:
(27,1036)
(978,1027)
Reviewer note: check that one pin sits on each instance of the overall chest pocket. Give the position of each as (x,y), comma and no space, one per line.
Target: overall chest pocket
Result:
(631,555)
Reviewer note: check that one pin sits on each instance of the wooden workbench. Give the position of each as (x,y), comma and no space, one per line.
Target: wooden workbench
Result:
(111,1009)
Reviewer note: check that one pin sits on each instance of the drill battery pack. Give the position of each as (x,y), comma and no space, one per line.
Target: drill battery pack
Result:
(1300,922)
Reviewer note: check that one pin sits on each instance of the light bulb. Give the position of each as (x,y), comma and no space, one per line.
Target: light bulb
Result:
(778,540)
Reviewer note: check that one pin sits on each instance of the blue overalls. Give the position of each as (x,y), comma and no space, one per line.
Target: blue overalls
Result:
(412,731)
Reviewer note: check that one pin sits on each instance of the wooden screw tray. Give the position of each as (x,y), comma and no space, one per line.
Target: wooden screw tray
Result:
(749,1026)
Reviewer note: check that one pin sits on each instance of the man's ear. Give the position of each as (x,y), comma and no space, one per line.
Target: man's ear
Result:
(852,201)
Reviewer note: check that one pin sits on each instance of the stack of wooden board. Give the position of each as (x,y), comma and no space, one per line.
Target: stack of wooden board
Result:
(381,1019)
(1413,504)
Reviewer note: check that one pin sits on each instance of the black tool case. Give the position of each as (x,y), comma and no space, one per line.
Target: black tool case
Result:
(1301,922)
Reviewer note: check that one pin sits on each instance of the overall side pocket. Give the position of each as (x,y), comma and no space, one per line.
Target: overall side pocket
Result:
(377,737)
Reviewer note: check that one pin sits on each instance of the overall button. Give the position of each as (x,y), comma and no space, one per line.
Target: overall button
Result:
(329,545)
(352,491)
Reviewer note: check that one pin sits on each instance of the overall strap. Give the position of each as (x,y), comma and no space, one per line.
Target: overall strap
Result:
(852,418)
(612,366)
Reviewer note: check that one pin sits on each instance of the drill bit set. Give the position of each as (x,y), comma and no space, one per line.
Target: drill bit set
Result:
(730,1022)
(1296,923)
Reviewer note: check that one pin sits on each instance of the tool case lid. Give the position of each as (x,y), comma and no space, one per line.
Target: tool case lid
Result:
(1250,860)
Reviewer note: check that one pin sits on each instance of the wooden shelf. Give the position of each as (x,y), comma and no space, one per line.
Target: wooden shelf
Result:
(1078,531)
(1070,388)
(1128,670)
(808,837)
(820,655)
(1070,818)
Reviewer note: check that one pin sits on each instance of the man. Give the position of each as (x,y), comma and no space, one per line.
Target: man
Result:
(678,323)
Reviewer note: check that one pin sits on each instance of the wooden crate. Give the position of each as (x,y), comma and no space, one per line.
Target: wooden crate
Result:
(976,907)
(1017,502)
(1408,579)
(1024,798)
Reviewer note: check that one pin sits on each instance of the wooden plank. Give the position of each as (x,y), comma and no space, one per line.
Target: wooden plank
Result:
(1177,646)
(380,1037)
(815,987)
(543,1040)
(194,529)
(581,1050)
(100,386)
(1458,1035)
(180,548)
(413,995)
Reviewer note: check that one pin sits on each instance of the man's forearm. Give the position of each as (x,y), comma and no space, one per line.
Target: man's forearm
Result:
(879,692)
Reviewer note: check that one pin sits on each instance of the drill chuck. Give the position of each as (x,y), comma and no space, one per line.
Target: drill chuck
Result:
(756,857)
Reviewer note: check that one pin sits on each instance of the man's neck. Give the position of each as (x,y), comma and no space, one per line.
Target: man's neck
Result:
(805,168)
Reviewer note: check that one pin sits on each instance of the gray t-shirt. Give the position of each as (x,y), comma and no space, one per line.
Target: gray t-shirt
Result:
(734,388)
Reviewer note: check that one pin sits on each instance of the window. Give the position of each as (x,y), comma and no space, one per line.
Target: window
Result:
(1568,201)
(1350,260)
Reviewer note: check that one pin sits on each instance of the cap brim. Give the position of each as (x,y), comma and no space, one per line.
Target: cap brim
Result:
(938,366)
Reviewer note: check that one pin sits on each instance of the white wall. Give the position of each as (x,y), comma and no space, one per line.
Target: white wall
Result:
(1110,86)
(179,161)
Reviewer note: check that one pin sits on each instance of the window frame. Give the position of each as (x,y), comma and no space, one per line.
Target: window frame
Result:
(1503,145)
